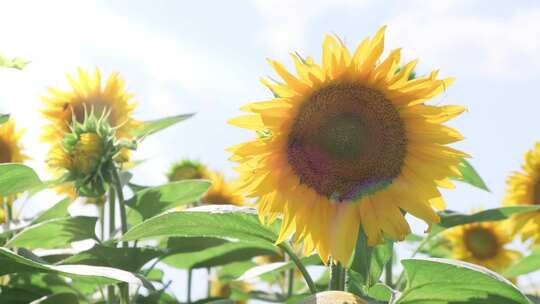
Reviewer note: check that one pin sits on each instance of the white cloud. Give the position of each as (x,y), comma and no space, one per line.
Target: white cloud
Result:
(286,22)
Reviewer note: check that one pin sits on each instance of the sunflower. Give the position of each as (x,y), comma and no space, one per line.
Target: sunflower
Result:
(524,189)
(225,290)
(345,143)
(221,191)
(87,94)
(11,150)
(482,244)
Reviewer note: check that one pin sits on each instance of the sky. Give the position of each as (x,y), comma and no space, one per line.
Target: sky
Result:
(206,57)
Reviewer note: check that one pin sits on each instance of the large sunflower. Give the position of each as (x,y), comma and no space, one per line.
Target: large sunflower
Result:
(345,143)
(524,189)
(11,150)
(482,244)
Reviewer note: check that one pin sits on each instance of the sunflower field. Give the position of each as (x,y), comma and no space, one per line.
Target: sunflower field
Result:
(345,153)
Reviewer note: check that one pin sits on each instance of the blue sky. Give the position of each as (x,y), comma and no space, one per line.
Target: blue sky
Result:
(207,56)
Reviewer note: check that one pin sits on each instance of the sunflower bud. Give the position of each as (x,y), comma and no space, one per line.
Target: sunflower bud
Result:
(88,153)
(187,169)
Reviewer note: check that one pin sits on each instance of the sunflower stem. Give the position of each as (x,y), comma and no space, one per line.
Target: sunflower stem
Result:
(189,282)
(300,266)
(209,283)
(388,270)
(112,201)
(290,279)
(124,287)
(337,279)
(101,210)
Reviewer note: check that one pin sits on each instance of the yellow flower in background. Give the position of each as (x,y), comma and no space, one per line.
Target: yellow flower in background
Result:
(482,244)
(87,93)
(221,191)
(345,143)
(11,150)
(224,290)
(187,169)
(523,188)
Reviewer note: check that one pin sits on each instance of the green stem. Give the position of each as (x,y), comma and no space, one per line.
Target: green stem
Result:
(336,276)
(209,285)
(121,203)
(101,210)
(189,279)
(290,279)
(301,267)
(112,201)
(388,270)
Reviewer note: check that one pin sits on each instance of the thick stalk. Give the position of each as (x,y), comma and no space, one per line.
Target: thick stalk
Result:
(112,227)
(337,277)
(121,203)
(300,266)
(124,288)
(290,279)
(388,270)
(189,279)
(101,210)
(209,284)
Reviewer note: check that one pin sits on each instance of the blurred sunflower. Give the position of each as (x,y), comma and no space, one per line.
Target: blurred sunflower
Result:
(221,191)
(482,244)
(11,150)
(225,290)
(523,188)
(345,143)
(88,93)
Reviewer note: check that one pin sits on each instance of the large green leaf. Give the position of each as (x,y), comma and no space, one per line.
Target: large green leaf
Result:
(15,63)
(129,259)
(470,176)
(155,200)
(58,210)
(16,178)
(14,263)
(277,267)
(220,221)
(153,126)
(55,233)
(450,219)
(203,252)
(59,298)
(4,118)
(441,281)
(526,265)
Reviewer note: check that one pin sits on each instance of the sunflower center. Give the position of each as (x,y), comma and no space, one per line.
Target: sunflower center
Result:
(347,141)
(481,242)
(536,193)
(5,152)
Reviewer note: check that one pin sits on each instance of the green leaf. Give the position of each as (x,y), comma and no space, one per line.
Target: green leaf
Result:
(450,219)
(381,292)
(59,210)
(155,275)
(129,259)
(526,265)
(16,178)
(440,281)
(470,176)
(368,265)
(230,272)
(277,267)
(15,63)
(220,221)
(55,233)
(4,118)
(13,263)
(59,298)
(211,252)
(154,126)
(155,200)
